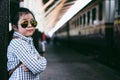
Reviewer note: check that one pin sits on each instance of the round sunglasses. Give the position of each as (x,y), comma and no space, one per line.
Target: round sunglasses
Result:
(32,22)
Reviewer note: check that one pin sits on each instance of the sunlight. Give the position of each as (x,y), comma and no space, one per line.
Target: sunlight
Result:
(79,4)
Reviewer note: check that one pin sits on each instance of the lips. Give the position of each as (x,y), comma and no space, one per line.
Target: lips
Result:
(30,30)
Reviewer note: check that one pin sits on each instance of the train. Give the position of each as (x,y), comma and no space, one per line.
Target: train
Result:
(96,25)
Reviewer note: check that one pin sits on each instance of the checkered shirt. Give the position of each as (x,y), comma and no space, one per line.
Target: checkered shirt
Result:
(22,49)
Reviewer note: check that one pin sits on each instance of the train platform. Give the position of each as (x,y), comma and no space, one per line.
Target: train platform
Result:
(67,64)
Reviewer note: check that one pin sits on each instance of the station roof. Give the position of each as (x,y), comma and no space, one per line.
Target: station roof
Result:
(76,6)
(57,12)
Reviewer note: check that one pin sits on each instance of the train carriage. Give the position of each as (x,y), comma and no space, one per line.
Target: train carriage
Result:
(98,26)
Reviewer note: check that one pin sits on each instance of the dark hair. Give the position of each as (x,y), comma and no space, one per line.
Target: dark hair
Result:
(36,37)
(19,11)
(15,18)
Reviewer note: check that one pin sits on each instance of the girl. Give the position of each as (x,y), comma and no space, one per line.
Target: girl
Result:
(23,59)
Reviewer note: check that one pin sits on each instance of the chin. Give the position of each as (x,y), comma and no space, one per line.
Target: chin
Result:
(29,35)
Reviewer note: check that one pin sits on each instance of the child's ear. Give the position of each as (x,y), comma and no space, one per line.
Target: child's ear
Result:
(14,27)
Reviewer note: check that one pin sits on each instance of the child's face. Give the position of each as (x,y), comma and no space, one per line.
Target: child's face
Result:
(29,30)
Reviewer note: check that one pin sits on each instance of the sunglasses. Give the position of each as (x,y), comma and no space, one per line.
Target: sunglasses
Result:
(32,22)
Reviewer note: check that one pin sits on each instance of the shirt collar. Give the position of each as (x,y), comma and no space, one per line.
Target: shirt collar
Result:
(27,39)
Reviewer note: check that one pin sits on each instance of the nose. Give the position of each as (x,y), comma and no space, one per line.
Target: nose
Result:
(29,24)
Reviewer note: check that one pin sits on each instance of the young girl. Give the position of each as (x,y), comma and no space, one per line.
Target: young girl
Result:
(21,49)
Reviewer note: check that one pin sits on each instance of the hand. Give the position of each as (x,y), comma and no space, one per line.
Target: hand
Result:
(38,57)
(51,0)
(24,67)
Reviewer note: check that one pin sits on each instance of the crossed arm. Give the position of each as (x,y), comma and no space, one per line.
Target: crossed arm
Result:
(25,68)
(33,62)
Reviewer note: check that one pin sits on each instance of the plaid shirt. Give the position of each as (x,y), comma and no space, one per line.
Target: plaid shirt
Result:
(22,49)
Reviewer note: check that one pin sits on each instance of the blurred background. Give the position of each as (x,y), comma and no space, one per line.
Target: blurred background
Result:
(82,37)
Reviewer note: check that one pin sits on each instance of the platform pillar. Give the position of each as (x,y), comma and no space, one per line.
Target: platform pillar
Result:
(4,23)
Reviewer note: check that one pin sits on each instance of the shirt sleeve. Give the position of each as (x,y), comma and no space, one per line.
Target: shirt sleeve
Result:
(29,58)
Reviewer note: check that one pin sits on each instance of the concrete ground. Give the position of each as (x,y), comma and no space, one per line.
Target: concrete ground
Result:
(67,64)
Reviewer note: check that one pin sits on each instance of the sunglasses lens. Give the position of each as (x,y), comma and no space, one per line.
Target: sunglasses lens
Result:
(33,23)
(24,24)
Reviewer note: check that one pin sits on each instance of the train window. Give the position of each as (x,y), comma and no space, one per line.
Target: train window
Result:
(80,20)
(118,7)
(93,15)
(77,21)
(84,19)
(74,22)
(100,11)
(88,17)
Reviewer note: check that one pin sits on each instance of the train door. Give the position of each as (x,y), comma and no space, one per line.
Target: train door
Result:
(117,34)
(117,24)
